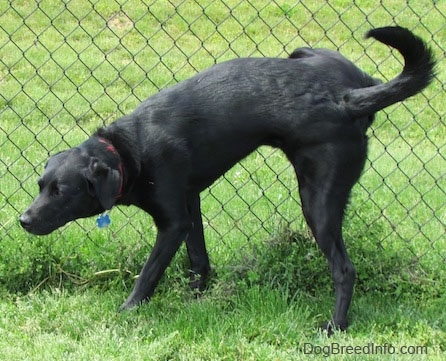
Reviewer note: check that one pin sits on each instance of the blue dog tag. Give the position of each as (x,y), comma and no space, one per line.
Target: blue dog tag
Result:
(103,220)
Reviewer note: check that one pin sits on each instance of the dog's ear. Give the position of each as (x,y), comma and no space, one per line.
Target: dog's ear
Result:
(103,182)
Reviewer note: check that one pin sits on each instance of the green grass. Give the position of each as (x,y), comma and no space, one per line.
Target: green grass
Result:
(254,323)
(62,78)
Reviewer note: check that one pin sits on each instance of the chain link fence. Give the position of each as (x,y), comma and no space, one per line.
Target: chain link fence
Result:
(68,67)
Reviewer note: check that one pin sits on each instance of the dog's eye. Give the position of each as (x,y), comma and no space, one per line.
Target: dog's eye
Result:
(55,190)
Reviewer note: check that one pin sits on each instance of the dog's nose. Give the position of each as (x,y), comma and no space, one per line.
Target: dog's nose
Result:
(25,220)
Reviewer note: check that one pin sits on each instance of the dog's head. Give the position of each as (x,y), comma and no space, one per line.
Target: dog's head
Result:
(73,185)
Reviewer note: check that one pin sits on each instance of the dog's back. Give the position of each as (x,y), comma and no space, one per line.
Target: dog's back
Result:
(270,94)
(313,97)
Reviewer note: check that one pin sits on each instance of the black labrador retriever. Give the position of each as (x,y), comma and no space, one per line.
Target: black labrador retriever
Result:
(315,106)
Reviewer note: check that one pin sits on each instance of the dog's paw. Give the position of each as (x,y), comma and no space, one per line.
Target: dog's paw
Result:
(130,304)
(125,307)
(330,327)
(198,283)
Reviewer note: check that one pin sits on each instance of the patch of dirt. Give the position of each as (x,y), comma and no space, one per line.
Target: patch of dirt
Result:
(120,21)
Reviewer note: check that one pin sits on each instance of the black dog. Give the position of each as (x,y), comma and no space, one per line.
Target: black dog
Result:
(315,106)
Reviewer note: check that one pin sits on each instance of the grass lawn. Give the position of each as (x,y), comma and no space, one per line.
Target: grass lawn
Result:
(68,67)
(253,323)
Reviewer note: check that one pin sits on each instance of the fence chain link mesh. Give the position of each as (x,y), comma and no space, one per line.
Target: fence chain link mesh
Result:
(67,67)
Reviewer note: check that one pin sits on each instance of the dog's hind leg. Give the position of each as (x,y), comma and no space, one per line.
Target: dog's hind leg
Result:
(196,248)
(326,174)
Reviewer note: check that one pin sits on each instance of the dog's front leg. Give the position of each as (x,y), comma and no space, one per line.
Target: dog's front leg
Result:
(196,248)
(168,241)
(167,203)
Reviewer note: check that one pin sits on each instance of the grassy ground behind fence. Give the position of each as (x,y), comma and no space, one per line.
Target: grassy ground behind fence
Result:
(67,70)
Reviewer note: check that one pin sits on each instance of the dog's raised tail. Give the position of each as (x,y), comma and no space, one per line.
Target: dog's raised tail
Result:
(417,73)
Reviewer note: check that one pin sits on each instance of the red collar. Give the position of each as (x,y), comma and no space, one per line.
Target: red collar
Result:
(112,149)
